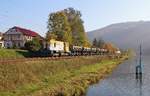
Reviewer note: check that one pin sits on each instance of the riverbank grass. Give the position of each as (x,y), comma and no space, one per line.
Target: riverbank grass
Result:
(68,77)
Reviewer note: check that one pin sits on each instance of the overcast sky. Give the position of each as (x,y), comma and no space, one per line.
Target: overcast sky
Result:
(33,14)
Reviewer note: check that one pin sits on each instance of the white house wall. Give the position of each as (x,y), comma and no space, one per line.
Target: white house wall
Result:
(12,37)
(2,44)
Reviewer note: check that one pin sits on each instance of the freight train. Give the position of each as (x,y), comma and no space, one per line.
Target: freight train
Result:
(59,48)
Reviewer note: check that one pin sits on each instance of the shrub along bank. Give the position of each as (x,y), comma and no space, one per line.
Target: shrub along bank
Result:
(13,53)
(54,78)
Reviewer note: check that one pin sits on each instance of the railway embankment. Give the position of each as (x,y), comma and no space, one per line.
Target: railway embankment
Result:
(64,77)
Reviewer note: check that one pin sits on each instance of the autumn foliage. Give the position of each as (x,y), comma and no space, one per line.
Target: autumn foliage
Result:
(110,47)
(67,26)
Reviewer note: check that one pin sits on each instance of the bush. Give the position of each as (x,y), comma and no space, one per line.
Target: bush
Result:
(33,45)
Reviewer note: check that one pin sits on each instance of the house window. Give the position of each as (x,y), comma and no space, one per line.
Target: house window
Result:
(54,44)
(8,46)
(29,37)
(18,44)
(11,37)
(13,30)
(18,36)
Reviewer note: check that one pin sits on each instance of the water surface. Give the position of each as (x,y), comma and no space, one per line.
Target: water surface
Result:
(122,81)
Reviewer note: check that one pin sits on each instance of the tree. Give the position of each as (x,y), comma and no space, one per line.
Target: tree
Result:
(94,42)
(67,25)
(33,45)
(50,36)
(100,43)
(110,47)
(76,23)
(58,25)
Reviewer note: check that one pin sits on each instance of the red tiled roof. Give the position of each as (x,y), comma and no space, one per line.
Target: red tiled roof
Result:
(26,31)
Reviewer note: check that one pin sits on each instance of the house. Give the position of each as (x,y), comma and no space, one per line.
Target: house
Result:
(17,37)
(1,40)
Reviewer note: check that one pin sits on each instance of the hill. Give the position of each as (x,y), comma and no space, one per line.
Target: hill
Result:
(125,35)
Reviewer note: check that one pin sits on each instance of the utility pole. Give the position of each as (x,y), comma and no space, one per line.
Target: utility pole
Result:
(139,66)
(140,60)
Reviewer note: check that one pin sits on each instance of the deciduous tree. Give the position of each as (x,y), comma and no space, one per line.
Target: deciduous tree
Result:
(68,26)
(58,25)
(33,45)
(77,27)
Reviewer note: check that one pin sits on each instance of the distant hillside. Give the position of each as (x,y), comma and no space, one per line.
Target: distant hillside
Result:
(125,35)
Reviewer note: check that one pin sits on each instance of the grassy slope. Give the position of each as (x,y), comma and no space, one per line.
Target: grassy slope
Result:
(51,78)
(11,53)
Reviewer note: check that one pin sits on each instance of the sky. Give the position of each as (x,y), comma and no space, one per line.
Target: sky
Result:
(33,14)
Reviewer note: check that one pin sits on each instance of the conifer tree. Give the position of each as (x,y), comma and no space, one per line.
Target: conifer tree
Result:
(94,42)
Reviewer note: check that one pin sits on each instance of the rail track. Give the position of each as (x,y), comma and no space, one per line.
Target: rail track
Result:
(15,60)
(19,60)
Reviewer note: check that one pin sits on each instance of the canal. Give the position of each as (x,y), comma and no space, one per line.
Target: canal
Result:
(122,81)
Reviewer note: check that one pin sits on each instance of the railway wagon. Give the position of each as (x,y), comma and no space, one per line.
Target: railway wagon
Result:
(76,50)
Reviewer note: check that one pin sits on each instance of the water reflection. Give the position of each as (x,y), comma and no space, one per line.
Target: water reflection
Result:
(139,82)
(123,81)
